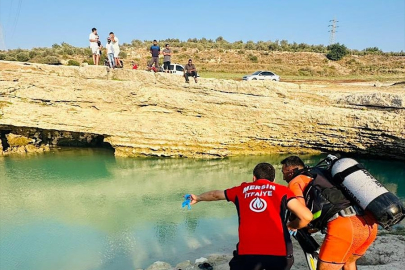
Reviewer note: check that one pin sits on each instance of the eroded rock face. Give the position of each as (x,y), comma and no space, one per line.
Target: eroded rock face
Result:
(154,114)
(18,144)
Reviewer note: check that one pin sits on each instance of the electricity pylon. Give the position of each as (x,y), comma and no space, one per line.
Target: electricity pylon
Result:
(332,31)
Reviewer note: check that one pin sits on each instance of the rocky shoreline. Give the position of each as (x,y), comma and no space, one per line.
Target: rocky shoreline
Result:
(386,253)
(139,113)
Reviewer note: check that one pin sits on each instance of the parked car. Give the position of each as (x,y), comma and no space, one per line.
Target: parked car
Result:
(174,69)
(262,75)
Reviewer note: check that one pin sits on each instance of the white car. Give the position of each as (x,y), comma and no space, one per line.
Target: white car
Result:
(262,75)
(174,69)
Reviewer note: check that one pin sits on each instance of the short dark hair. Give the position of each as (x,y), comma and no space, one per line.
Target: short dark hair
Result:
(167,45)
(154,40)
(264,171)
(293,161)
(111,33)
(93,29)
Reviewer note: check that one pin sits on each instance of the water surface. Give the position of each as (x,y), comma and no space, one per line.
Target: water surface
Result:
(85,209)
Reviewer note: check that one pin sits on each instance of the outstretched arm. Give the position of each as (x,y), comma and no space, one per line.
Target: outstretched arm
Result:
(213,195)
(304,216)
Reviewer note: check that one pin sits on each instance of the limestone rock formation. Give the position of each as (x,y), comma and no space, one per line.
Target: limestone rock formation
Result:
(22,145)
(141,113)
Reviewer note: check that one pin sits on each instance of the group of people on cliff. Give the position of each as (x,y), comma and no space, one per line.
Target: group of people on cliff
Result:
(265,228)
(113,50)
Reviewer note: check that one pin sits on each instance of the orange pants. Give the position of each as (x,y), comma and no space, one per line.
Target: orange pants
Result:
(347,236)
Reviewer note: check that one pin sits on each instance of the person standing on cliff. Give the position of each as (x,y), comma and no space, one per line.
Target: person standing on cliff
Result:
(167,52)
(155,51)
(95,50)
(115,41)
(190,70)
(264,239)
(110,53)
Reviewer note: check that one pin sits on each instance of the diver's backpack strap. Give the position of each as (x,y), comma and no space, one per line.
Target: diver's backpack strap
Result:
(340,177)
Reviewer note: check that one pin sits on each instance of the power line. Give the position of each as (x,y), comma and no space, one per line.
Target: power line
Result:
(16,19)
(332,31)
(2,42)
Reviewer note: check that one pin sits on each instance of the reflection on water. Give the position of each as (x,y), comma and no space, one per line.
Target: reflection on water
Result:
(86,209)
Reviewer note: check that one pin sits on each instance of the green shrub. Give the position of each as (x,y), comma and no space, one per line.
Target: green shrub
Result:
(123,55)
(200,47)
(373,50)
(253,58)
(22,57)
(32,54)
(68,51)
(3,56)
(50,60)
(336,52)
(10,58)
(305,71)
(73,63)
(351,62)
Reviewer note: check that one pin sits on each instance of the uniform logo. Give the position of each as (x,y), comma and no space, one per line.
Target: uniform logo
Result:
(258,205)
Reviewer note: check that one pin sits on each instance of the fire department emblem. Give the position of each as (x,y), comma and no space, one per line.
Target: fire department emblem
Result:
(258,205)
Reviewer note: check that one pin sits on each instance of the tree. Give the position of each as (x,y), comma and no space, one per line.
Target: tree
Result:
(336,52)
(219,39)
(373,50)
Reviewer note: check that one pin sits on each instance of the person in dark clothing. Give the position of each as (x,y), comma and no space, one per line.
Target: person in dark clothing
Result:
(155,51)
(190,70)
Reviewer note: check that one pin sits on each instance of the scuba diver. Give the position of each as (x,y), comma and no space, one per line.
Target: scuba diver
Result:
(347,203)
(348,235)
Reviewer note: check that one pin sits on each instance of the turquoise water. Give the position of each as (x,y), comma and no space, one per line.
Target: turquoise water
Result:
(85,209)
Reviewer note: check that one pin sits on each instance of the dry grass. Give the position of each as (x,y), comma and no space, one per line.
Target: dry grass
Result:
(233,64)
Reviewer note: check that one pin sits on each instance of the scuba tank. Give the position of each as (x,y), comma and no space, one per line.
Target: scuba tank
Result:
(366,191)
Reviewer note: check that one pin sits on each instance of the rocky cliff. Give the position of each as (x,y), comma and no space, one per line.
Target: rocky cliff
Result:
(140,113)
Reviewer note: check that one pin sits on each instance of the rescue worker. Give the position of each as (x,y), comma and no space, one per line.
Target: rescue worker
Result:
(264,239)
(347,238)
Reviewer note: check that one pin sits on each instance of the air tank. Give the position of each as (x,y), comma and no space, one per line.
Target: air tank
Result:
(367,192)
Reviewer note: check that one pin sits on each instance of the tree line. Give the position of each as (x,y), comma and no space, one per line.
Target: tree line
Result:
(52,55)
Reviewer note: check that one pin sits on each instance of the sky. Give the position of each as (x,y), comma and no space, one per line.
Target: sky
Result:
(360,24)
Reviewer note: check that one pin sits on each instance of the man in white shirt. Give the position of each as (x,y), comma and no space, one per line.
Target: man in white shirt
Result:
(93,38)
(115,42)
(110,52)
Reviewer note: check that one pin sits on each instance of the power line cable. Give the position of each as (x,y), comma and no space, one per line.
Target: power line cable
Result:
(16,18)
(3,46)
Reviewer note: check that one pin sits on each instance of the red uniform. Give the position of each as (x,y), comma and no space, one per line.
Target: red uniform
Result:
(261,207)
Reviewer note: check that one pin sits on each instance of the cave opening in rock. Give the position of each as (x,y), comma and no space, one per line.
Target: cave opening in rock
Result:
(83,140)
(4,142)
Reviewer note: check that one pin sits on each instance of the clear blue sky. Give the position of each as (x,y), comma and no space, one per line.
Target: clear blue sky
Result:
(362,23)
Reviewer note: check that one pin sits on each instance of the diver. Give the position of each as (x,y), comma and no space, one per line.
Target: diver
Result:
(349,232)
